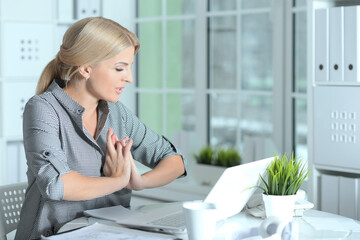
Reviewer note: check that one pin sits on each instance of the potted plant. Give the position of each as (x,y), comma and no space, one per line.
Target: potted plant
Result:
(284,178)
(212,162)
(227,158)
(205,156)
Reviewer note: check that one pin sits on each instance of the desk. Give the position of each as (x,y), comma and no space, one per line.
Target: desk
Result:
(306,231)
(243,221)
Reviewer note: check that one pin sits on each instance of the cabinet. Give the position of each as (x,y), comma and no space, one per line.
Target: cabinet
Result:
(334,115)
(30,37)
(27,44)
(340,195)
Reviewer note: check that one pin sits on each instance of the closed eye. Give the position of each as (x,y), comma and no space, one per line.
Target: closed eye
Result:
(119,69)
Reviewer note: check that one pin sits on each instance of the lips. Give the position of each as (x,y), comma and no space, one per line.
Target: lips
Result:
(119,90)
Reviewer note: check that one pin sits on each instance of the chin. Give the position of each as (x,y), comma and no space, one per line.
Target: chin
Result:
(110,99)
(113,100)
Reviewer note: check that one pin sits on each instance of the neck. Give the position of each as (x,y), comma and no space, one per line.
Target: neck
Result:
(79,94)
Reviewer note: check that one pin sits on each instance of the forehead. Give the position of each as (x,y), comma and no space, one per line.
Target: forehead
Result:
(126,57)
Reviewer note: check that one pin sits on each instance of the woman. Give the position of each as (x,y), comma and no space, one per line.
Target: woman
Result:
(80,142)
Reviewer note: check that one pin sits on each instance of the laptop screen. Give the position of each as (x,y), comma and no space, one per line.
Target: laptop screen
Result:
(234,188)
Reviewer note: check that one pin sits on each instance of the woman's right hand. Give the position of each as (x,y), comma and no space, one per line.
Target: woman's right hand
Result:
(117,169)
(118,156)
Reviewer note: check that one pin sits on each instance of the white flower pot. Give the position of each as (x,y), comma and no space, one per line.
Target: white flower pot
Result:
(207,175)
(280,206)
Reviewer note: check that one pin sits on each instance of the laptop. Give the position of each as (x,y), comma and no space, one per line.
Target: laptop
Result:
(230,194)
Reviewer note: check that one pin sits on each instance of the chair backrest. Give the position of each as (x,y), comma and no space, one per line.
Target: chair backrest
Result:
(11,200)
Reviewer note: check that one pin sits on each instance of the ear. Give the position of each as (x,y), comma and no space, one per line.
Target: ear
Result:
(85,71)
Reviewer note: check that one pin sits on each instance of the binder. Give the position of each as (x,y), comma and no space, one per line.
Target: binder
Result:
(358,195)
(351,44)
(330,193)
(336,44)
(348,196)
(82,9)
(87,8)
(66,10)
(94,6)
(322,45)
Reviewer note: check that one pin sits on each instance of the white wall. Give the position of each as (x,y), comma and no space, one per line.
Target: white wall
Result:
(30,35)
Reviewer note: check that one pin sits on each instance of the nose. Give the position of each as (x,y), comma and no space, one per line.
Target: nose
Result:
(128,78)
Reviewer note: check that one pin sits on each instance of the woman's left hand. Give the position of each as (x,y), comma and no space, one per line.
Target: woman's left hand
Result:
(166,171)
(136,180)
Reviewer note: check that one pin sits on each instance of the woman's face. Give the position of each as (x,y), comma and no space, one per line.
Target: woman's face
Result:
(109,77)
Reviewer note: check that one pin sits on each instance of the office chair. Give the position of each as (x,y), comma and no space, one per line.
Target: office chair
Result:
(11,200)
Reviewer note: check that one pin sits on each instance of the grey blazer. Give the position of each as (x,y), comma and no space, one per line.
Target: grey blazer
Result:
(56,142)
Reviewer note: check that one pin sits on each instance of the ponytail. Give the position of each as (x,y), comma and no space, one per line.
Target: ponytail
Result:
(46,77)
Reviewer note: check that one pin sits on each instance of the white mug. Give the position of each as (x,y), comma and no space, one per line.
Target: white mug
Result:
(200,219)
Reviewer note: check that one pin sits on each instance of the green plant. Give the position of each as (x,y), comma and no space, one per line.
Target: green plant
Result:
(227,158)
(223,157)
(205,156)
(284,176)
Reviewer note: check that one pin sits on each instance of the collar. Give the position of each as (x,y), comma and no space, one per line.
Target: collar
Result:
(70,104)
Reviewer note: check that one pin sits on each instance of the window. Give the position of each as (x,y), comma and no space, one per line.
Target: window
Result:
(165,65)
(240,72)
(240,98)
(299,77)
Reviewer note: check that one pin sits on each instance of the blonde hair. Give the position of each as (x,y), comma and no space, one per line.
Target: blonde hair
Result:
(86,42)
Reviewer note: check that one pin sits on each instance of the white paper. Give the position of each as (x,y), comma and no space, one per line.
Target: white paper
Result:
(100,231)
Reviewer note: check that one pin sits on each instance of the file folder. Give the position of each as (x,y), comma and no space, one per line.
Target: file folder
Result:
(82,9)
(87,8)
(66,10)
(336,44)
(330,193)
(95,8)
(348,197)
(351,44)
(321,45)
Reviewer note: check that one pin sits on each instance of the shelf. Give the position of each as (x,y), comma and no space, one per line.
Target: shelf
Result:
(337,169)
(337,84)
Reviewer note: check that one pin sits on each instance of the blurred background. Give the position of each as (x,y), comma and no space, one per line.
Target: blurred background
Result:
(220,73)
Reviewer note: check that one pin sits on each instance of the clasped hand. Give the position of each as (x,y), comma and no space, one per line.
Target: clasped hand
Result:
(119,161)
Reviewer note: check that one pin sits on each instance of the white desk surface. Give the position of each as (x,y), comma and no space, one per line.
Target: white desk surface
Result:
(330,226)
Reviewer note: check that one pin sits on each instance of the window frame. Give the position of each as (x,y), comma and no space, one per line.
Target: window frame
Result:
(283,94)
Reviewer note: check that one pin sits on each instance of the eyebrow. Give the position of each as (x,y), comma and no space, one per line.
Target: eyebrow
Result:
(122,63)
